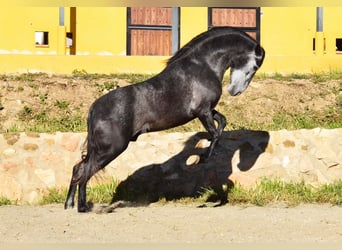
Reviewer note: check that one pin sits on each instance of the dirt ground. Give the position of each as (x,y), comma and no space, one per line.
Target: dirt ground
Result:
(25,99)
(173,223)
(169,222)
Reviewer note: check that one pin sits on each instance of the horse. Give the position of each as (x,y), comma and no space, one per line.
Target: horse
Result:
(189,87)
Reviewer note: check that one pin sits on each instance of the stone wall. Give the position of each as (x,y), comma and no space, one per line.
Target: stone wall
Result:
(30,163)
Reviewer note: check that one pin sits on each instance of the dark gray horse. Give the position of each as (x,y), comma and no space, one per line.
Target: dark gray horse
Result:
(189,87)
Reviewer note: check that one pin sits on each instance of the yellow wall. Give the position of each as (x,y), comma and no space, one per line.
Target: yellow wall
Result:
(19,24)
(288,31)
(193,21)
(101,31)
(332,28)
(286,34)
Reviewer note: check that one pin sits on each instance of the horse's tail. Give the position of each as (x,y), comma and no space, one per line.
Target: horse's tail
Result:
(84,148)
(89,142)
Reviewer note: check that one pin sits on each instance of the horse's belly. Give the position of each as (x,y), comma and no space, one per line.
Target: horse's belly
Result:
(168,122)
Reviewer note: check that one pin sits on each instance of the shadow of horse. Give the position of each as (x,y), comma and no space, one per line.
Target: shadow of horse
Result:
(177,178)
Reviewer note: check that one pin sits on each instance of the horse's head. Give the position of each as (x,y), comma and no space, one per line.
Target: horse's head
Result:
(243,69)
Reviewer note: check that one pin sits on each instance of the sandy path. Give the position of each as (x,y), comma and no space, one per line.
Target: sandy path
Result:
(158,223)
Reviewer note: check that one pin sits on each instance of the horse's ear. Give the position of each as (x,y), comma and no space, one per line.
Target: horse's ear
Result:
(258,50)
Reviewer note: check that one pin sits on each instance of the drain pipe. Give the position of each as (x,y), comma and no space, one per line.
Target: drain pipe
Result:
(319,19)
(61,36)
(319,39)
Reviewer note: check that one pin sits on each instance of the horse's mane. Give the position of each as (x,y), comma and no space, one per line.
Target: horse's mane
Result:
(203,37)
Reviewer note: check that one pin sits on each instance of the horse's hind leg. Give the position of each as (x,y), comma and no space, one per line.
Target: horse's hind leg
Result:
(81,173)
(71,196)
(100,160)
(77,173)
(215,132)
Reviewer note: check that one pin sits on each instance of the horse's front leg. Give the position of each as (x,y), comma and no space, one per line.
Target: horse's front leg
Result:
(221,121)
(207,120)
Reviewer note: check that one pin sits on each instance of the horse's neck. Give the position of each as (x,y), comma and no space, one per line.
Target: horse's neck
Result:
(219,61)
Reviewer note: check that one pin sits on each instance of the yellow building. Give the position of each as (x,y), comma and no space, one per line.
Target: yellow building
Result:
(139,40)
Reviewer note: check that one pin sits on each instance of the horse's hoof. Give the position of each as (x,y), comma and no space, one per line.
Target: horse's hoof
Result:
(203,143)
(83,209)
(68,205)
(193,160)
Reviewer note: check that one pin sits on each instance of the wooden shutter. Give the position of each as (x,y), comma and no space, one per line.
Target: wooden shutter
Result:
(246,19)
(149,31)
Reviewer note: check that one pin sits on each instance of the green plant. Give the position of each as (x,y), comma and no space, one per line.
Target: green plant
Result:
(102,193)
(110,85)
(82,74)
(43,97)
(106,86)
(25,113)
(26,77)
(292,193)
(133,78)
(4,201)
(61,104)
(54,195)
(79,72)
(265,192)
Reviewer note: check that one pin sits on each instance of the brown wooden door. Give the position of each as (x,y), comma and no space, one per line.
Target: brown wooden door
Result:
(246,19)
(149,31)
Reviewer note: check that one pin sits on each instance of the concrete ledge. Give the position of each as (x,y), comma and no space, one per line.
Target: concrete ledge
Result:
(30,163)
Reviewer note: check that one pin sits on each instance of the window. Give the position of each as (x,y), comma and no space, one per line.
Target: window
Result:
(41,38)
(339,45)
(69,39)
(314,44)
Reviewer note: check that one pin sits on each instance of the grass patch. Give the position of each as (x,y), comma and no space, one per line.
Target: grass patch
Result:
(264,193)
(4,201)
(46,121)
(102,193)
(54,195)
(281,120)
(303,121)
(316,77)
(271,191)
(62,115)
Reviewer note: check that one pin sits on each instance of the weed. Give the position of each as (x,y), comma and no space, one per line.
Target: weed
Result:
(316,77)
(79,72)
(45,121)
(43,97)
(33,85)
(27,111)
(26,77)
(265,192)
(133,78)
(61,104)
(48,119)
(270,191)
(106,86)
(102,193)
(4,201)
(298,76)
(54,195)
